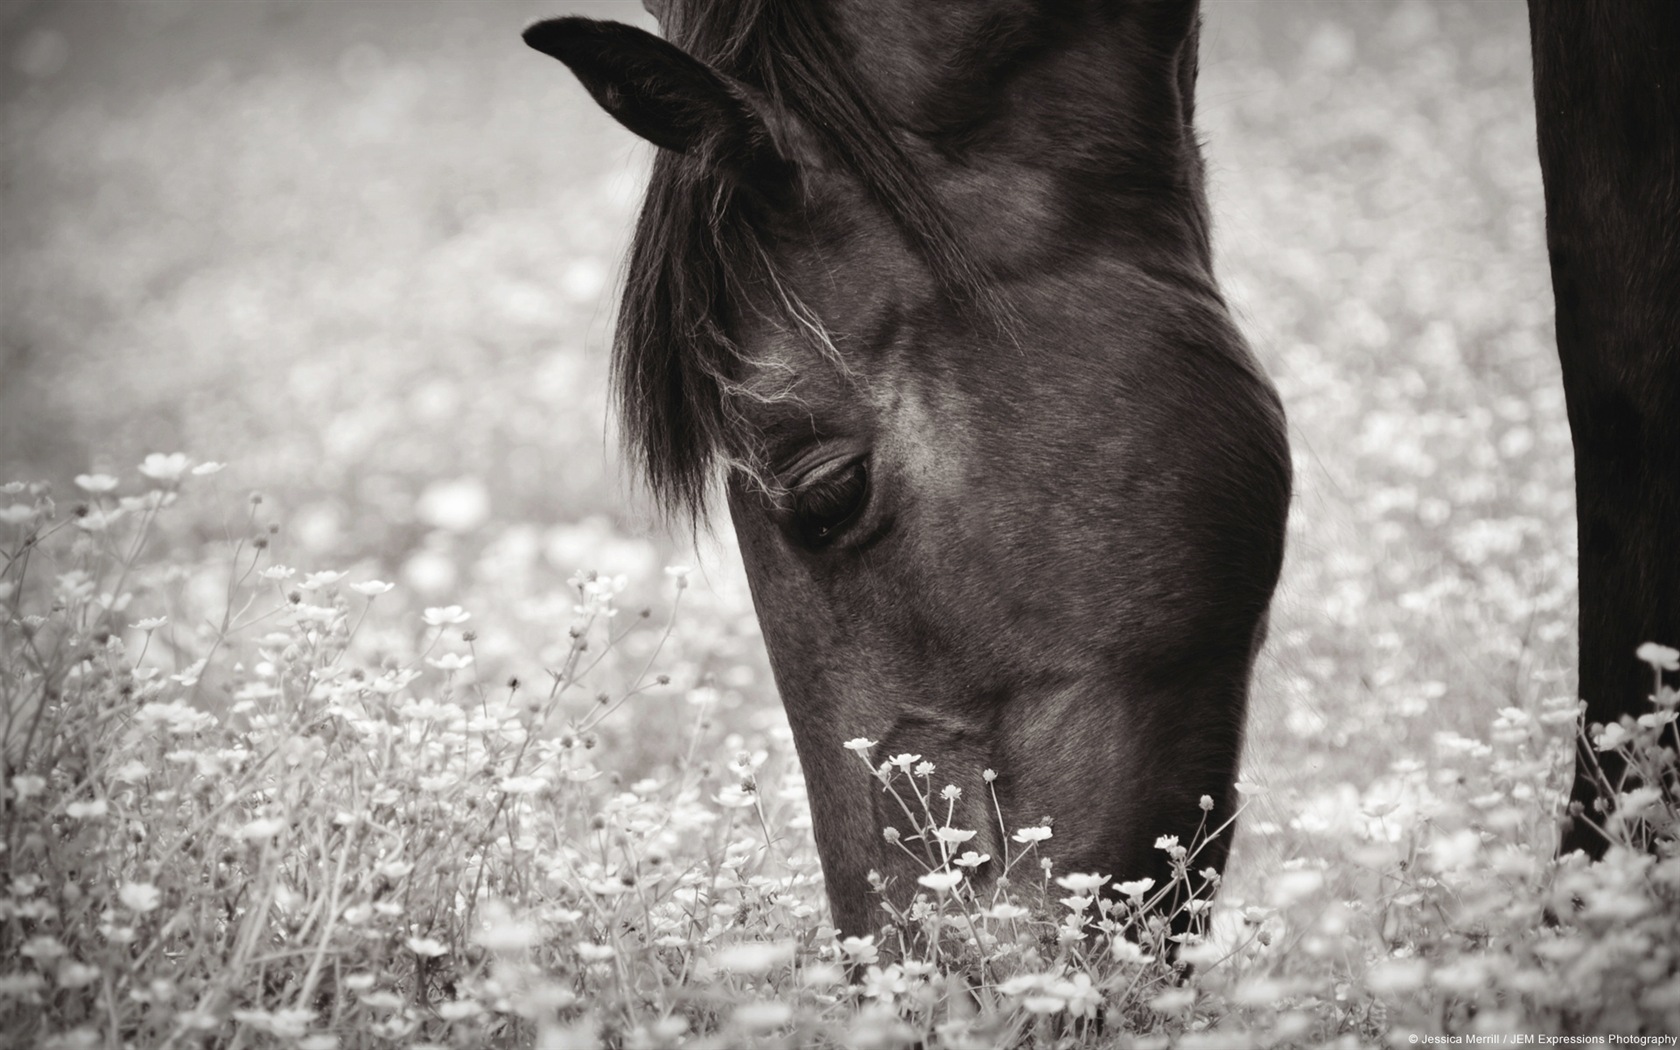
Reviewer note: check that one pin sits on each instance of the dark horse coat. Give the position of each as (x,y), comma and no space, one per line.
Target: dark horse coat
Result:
(1607,104)
(931,283)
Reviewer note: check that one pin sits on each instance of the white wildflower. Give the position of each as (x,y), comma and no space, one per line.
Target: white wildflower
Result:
(1661,657)
(97,484)
(762,1015)
(1082,883)
(446,615)
(261,828)
(1612,737)
(427,946)
(1136,888)
(165,467)
(26,785)
(139,897)
(754,957)
(77,975)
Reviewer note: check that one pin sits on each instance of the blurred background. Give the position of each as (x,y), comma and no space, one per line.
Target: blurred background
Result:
(366,253)
(364,250)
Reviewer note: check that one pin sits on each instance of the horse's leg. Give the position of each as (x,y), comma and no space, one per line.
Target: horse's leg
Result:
(1607,100)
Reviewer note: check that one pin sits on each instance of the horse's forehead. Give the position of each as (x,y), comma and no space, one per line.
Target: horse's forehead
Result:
(849,357)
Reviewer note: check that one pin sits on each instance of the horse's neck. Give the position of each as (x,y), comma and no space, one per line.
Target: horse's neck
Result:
(1046,139)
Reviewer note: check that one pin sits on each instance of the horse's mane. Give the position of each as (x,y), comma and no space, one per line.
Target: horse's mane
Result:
(695,249)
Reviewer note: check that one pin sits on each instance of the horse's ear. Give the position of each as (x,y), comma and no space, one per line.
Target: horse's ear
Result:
(1170,20)
(662,93)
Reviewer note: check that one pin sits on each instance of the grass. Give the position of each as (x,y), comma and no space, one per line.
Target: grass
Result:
(331,249)
(245,805)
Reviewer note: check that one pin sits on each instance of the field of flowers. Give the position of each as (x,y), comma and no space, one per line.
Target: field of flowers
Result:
(351,695)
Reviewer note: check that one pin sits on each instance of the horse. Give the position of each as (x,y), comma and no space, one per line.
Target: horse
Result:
(1607,107)
(930,287)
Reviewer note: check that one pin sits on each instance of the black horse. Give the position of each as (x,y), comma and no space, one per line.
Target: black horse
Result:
(930,284)
(1607,101)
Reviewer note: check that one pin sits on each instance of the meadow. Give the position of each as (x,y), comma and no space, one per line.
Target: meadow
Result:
(352,694)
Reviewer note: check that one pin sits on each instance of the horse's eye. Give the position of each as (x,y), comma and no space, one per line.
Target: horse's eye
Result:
(829,502)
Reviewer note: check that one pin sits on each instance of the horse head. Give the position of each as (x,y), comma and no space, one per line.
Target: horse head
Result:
(928,285)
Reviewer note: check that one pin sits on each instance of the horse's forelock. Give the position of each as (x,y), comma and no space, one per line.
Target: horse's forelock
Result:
(696,250)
